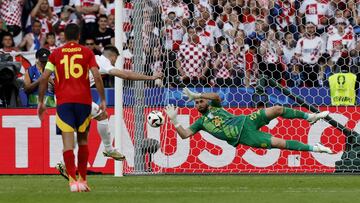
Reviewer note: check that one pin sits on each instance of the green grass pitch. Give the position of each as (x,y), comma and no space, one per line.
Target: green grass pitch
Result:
(185,188)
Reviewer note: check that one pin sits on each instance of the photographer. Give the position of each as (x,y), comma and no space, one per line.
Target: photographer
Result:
(31,82)
(9,88)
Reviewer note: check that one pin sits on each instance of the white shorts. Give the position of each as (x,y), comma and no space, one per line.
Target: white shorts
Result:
(95,110)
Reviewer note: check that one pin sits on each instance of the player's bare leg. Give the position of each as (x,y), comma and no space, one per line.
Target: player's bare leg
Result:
(69,159)
(83,156)
(276,111)
(104,131)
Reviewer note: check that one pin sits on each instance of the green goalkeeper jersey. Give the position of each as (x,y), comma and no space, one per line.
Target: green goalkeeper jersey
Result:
(220,123)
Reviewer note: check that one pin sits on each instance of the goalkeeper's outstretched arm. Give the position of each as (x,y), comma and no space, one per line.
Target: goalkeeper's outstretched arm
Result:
(171,111)
(184,133)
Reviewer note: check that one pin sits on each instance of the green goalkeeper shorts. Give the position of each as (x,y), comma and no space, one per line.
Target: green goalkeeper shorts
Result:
(251,135)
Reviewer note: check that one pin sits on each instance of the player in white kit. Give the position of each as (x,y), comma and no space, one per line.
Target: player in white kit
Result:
(106,64)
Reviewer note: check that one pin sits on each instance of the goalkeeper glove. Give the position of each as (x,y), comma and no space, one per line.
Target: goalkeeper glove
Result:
(171,112)
(191,95)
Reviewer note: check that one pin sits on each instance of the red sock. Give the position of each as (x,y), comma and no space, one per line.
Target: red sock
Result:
(69,160)
(83,156)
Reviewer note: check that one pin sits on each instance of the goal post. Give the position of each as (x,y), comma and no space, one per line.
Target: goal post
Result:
(119,124)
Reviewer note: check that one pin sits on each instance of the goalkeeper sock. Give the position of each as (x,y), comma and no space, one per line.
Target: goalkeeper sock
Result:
(69,160)
(103,129)
(298,146)
(292,113)
(83,156)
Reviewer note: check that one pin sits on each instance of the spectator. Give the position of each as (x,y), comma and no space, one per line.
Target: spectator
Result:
(355,10)
(255,9)
(345,6)
(355,60)
(258,35)
(316,11)
(90,43)
(204,36)
(3,28)
(339,15)
(341,39)
(223,64)
(65,19)
(180,9)
(128,54)
(288,48)
(172,32)
(109,7)
(193,61)
(197,7)
(43,13)
(237,5)
(89,9)
(270,50)
(10,12)
(239,48)
(251,66)
(56,5)
(31,80)
(225,14)
(155,62)
(127,16)
(231,27)
(294,77)
(50,43)
(218,9)
(104,35)
(308,51)
(8,44)
(150,35)
(111,21)
(286,17)
(211,26)
(248,21)
(171,35)
(301,29)
(60,40)
(34,40)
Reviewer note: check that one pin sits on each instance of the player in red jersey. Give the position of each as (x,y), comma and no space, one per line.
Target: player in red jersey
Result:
(71,64)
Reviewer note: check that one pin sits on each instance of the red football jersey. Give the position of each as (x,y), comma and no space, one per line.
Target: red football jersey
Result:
(71,64)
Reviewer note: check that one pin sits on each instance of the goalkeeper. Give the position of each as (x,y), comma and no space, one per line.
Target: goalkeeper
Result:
(243,129)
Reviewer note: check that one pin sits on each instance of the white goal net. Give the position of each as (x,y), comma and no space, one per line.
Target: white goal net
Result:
(310,48)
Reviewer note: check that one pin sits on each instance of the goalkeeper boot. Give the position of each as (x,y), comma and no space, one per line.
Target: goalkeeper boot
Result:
(83,186)
(74,186)
(313,117)
(115,154)
(322,149)
(62,170)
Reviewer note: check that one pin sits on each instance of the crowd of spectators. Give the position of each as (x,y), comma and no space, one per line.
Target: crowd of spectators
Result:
(225,43)
(229,43)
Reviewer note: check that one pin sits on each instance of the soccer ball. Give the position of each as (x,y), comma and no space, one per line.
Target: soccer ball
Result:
(155,119)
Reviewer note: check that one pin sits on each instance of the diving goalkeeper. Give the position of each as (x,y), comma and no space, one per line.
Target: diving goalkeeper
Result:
(242,129)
